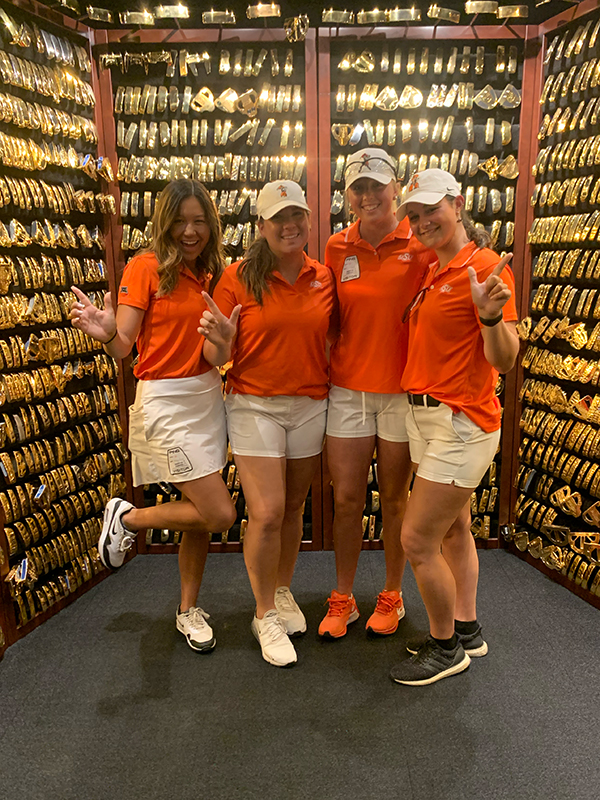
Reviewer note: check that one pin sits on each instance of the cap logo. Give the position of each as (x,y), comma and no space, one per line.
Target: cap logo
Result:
(365,157)
(414,183)
(282,190)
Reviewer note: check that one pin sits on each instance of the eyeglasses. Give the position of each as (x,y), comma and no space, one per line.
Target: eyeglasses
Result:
(370,164)
(413,306)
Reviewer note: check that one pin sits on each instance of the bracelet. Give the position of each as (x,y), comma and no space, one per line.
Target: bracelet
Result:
(108,341)
(489,323)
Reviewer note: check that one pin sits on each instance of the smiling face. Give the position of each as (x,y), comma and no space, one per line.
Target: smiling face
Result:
(190,229)
(436,226)
(286,232)
(372,201)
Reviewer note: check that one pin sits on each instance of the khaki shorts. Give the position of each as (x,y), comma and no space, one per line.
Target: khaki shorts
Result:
(275,427)
(353,414)
(448,447)
(177,429)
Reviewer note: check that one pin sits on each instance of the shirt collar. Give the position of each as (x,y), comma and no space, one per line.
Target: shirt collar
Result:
(307,266)
(402,231)
(460,260)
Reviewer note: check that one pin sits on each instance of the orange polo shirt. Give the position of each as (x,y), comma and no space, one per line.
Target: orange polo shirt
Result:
(445,353)
(169,345)
(279,348)
(374,285)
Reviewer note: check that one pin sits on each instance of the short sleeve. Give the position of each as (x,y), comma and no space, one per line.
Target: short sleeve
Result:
(139,283)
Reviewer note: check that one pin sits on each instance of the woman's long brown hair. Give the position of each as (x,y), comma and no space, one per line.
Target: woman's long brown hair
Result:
(164,246)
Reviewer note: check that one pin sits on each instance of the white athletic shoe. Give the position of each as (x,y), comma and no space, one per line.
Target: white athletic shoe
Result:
(274,641)
(289,612)
(115,540)
(198,633)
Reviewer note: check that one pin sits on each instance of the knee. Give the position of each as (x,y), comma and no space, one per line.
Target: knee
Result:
(221,519)
(348,500)
(267,519)
(417,548)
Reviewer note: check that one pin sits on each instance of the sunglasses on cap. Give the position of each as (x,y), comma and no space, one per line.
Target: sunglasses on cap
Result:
(370,164)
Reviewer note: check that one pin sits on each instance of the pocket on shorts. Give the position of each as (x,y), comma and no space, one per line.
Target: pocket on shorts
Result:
(463,427)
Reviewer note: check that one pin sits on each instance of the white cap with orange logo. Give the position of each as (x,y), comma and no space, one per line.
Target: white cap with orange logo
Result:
(277,195)
(428,187)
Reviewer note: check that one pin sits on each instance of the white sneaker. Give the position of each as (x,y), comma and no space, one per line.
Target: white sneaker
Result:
(289,612)
(115,540)
(198,633)
(274,641)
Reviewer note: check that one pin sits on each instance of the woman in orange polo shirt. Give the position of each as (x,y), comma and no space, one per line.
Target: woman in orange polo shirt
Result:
(378,267)
(177,430)
(462,334)
(276,398)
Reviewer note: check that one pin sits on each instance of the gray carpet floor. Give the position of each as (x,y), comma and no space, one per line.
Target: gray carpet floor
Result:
(107,702)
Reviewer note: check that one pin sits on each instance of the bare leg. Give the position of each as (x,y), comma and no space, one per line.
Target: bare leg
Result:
(349,461)
(394,469)
(299,475)
(205,507)
(431,511)
(460,552)
(263,482)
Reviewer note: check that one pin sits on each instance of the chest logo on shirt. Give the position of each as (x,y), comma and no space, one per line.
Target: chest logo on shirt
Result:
(446,288)
(405,257)
(316,284)
(350,270)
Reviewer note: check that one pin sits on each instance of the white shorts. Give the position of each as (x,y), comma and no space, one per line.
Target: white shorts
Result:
(353,414)
(177,429)
(448,447)
(275,427)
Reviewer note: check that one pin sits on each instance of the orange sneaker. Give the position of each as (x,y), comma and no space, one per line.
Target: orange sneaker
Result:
(388,612)
(342,611)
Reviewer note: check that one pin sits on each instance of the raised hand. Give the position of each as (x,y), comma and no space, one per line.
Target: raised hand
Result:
(215,326)
(99,324)
(491,295)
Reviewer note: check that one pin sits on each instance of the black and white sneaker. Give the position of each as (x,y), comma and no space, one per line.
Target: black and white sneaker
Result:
(115,540)
(473,644)
(429,664)
(198,633)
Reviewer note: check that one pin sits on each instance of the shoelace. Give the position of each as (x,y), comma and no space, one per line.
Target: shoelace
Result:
(286,601)
(197,618)
(384,604)
(337,607)
(274,629)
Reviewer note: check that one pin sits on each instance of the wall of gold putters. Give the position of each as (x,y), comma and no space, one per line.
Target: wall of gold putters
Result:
(233,114)
(61,451)
(558,480)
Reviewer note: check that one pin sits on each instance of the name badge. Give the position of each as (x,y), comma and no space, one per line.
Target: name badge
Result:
(350,270)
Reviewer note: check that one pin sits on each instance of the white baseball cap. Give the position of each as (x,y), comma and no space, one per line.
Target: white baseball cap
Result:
(371,162)
(428,187)
(277,195)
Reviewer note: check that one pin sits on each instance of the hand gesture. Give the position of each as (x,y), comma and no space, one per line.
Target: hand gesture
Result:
(491,295)
(215,326)
(99,324)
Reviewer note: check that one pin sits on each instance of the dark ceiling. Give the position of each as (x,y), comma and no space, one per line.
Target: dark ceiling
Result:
(539,11)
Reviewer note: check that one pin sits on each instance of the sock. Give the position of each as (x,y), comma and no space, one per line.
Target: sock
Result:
(466,628)
(447,644)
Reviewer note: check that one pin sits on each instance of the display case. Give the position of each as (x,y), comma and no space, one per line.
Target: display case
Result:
(61,450)
(557,508)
